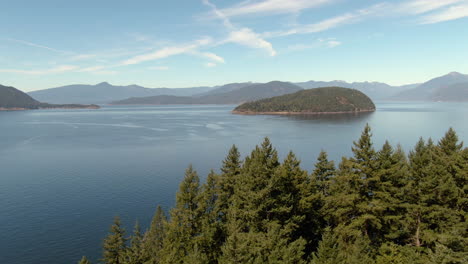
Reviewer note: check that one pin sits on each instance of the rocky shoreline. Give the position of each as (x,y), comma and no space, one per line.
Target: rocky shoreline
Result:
(301,113)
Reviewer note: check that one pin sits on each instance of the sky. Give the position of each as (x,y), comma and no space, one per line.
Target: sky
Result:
(188,43)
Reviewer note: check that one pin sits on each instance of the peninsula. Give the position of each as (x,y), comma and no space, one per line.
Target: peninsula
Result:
(325,100)
(13,99)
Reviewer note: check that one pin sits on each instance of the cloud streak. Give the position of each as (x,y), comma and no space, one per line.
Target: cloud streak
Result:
(55,70)
(244,36)
(167,52)
(451,13)
(269,7)
(37,45)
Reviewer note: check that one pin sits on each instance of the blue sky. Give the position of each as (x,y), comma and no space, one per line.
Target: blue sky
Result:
(186,43)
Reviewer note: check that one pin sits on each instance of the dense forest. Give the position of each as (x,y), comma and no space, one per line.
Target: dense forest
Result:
(317,100)
(378,206)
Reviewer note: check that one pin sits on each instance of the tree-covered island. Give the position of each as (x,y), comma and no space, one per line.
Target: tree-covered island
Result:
(326,100)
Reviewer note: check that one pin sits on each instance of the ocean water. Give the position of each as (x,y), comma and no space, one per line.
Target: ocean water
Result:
(64,174)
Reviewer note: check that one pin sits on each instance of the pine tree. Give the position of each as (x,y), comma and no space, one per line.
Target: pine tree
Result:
(114,244)
(249,208)
(333,250)
(391,174)
(208,244)
(323,173)
(185,220)
(84,260)
(154,237)
(134,253)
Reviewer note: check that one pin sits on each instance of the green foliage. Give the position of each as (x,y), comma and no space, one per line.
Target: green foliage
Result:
(84,260)
(115,244)
(378,206)
(318,100)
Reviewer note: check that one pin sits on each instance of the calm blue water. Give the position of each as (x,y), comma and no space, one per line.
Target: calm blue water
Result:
(64,174)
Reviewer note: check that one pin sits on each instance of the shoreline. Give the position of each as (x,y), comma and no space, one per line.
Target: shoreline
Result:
(47,108)
(300,113)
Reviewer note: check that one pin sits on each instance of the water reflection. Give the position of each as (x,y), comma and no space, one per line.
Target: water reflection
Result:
(332,118)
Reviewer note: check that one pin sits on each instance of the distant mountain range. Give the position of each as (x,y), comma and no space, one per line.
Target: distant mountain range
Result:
(228,95)
(104,92)
(375,90)
(450,87)
(14,99)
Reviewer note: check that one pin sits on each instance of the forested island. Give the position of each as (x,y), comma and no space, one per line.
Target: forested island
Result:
(14,99)
(378,206)
(325,100)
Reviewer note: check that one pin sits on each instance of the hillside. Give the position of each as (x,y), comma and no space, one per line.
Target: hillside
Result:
(105,93)
(14,99)
(437,89)
(375,90)
(244,94)
(453,93)
(312,101)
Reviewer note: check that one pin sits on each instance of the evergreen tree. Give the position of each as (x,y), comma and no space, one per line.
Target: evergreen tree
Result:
(154,237)
(185,220)
(134,254)
(84,260)
(323,173)
(114,244)
(208,244)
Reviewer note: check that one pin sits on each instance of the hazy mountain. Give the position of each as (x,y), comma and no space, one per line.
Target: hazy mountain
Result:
(375,90)
(453,93)
(244,94)
(442,88)
(105,93)
(12,98)
(226,88)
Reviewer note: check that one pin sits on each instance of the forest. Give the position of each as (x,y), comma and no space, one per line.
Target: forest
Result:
(380,205)
(317,100)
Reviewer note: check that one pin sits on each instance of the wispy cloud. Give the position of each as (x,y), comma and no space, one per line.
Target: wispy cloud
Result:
(168,52)
(55,70)
(247,37)
(210,56)
(319,43)
(424,6)
(244,36)
(210,64)
(36,45)
(83,57)
(330,23)
(450,13)
(271,7)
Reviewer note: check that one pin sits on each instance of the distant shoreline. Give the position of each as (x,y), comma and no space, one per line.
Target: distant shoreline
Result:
(49,108)
(300,113)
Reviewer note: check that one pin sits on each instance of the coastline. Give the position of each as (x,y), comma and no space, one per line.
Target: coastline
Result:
(48,108)
(300,113)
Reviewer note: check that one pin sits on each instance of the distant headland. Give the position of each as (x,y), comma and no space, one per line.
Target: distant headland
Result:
(12,99)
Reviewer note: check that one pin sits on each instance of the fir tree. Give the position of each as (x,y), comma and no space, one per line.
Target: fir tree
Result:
(134,253)
(114,244)
(209,242)
(185,220)
(84,260)
(154,237)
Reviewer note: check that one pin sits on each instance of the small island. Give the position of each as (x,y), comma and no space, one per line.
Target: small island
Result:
(12,99)
(326,100)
